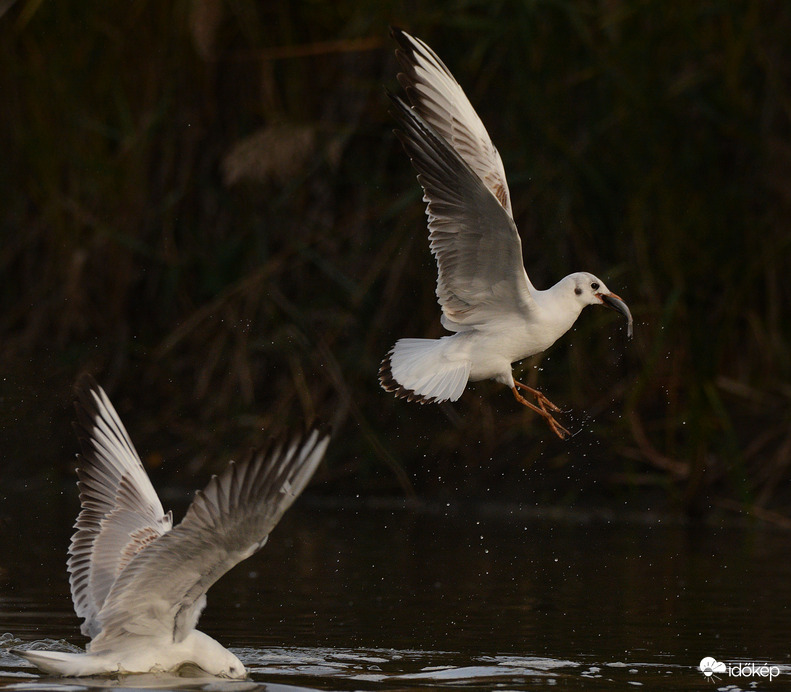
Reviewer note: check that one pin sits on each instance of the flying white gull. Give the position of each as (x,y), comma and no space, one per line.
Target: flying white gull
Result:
(498,317)
(138,582)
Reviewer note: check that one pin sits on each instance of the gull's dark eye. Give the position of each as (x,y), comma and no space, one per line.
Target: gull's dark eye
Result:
(578,291)
(595,286)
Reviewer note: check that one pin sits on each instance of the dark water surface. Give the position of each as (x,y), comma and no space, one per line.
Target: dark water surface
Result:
(452,598)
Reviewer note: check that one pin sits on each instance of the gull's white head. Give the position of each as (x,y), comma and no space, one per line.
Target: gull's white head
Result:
(213,657)
(232,667)
(590,290)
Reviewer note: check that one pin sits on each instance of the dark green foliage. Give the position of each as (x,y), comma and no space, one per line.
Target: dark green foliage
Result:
(203,204)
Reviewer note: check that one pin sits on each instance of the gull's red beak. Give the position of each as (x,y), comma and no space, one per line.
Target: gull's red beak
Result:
(616,303)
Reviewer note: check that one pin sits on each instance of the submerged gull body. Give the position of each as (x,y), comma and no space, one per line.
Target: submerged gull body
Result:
(138,582)
(495,313)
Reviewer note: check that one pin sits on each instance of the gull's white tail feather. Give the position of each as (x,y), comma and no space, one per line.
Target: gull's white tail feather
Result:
(60,662)
(419,370)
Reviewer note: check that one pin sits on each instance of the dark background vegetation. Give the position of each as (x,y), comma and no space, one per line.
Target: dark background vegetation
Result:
(202,203)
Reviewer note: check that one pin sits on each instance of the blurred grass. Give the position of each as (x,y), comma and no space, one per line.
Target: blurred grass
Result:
(204,205)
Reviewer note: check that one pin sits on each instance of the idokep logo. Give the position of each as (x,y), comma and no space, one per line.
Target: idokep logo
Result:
(710,667)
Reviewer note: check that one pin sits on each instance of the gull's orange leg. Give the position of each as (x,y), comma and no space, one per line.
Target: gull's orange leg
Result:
(542,400)
(541,409)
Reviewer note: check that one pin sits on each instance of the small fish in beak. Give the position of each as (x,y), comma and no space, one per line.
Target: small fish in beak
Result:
(616,303)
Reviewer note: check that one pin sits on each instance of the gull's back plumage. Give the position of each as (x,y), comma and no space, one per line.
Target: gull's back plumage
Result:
(141,592)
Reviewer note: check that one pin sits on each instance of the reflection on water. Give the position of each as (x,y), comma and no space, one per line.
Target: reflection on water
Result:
(452,598)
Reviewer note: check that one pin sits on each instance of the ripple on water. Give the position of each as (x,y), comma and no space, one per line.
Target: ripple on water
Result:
(388,668)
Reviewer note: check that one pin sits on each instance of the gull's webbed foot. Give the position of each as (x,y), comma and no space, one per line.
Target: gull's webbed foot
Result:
(541,409)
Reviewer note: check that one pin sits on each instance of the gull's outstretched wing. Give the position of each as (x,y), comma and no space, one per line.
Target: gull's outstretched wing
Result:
(163,589)
(442,103)
(478,250)
(121,512)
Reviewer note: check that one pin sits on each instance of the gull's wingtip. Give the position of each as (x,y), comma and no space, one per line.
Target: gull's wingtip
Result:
(87,398)
(84,384)
(321,430)
(399,35)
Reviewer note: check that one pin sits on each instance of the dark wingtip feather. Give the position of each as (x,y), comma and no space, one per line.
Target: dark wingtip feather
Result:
(84,388)
(398,34)
(423,145)
(406,49)
(87,412)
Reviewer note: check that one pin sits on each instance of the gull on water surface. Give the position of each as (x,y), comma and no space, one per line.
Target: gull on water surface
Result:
(138,582)
(498,317)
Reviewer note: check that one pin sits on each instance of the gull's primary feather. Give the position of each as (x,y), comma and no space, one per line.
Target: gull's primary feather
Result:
(441,102)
